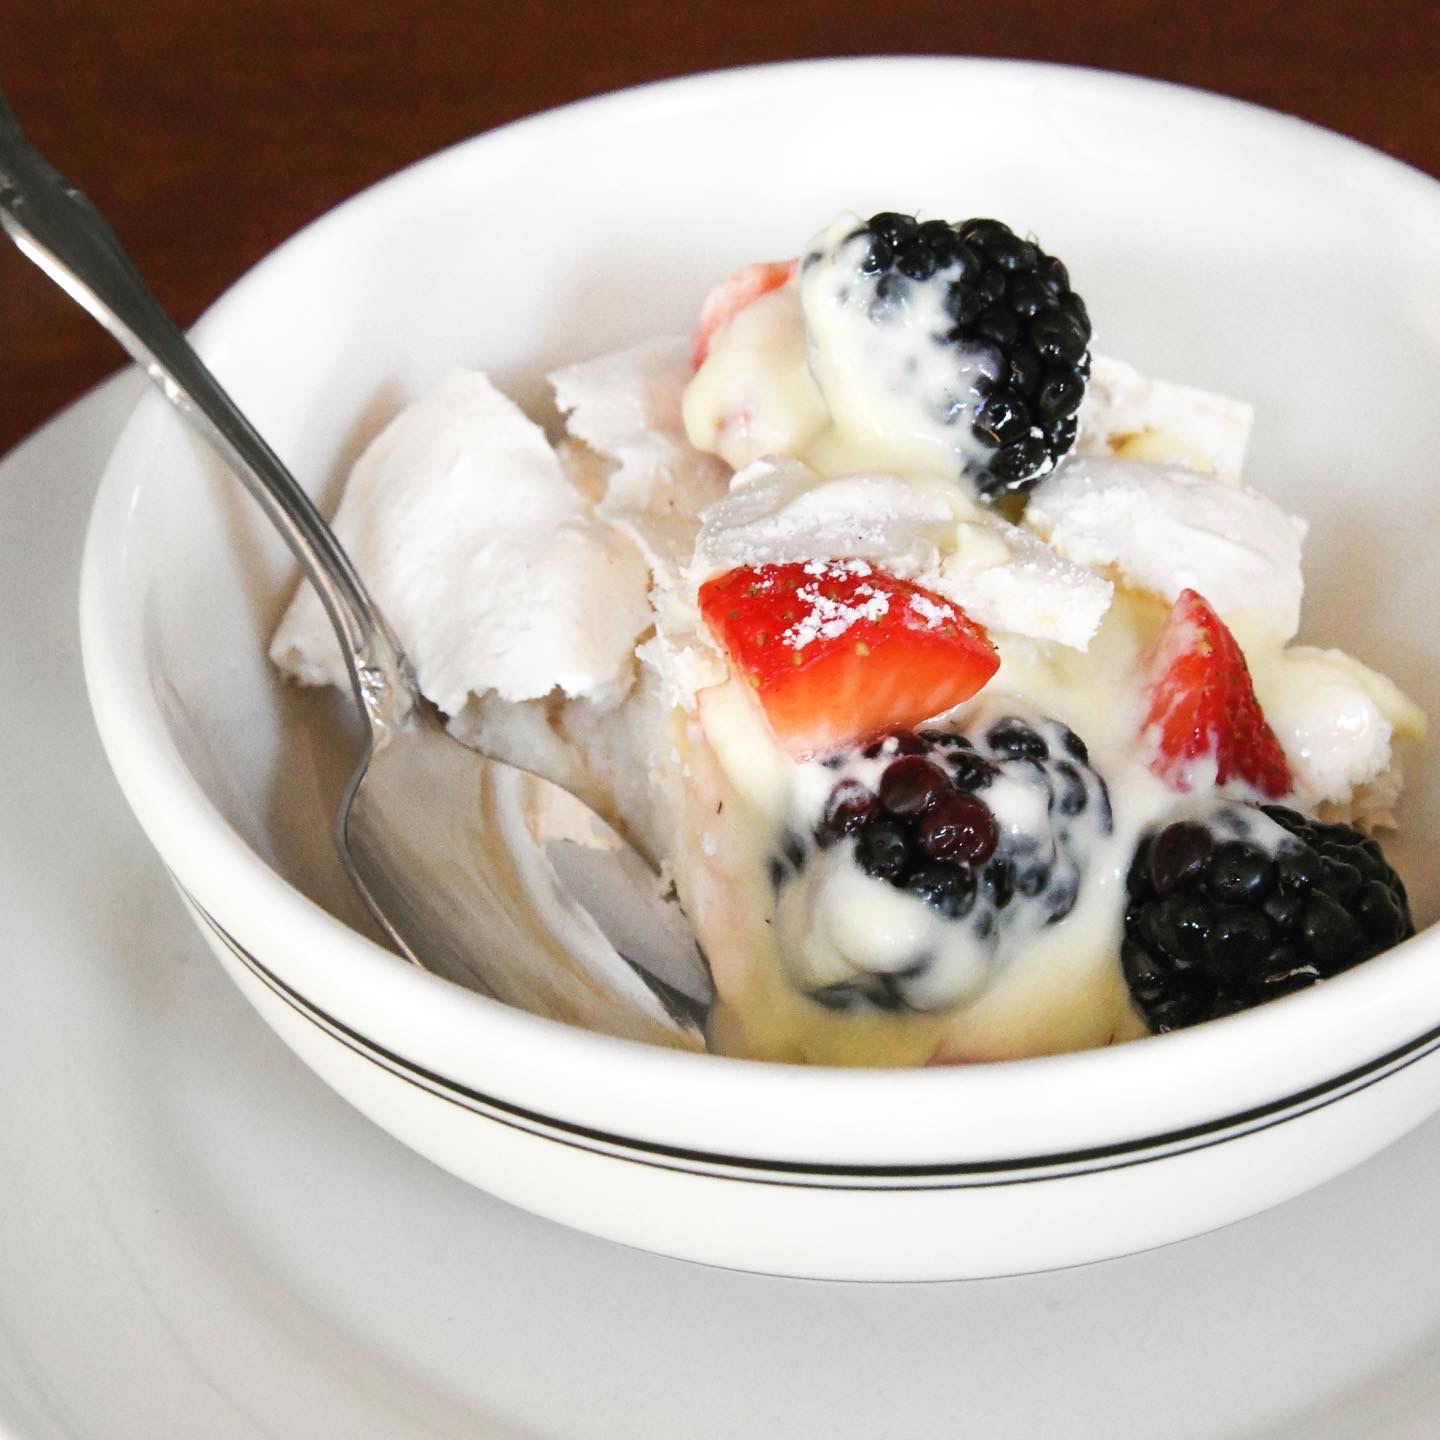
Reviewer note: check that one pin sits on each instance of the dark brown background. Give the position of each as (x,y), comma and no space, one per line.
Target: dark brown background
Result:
(209,130)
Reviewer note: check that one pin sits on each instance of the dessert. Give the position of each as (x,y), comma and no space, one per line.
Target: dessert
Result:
(947,668)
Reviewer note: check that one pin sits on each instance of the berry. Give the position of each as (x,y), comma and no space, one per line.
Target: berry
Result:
(1247,902)
(731,296)
(950,889)
(1203,707)
(837,651)
(849,806)
(883,849)
(912,785)
(1013,738)
(958,828)
(988,830)
(1015,335)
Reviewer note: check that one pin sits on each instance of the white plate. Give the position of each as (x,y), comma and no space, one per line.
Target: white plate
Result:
(198,1238)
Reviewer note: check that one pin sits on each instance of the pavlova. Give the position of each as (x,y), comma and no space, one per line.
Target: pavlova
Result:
(946,669)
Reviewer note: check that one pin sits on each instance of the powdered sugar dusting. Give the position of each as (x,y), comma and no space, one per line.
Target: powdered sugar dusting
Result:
(827,617)
(834,569)
(932,612)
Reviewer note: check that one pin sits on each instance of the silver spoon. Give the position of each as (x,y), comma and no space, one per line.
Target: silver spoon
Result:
(482,873)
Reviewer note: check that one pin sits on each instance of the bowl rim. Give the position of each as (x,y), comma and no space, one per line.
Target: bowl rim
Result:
(1141,1091)
(988,1170)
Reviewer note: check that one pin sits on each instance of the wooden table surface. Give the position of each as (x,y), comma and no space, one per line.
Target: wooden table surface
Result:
(209,130)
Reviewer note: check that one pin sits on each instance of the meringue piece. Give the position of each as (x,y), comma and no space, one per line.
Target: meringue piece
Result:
(1162,529)
(1010,580)
(922,529)
(485,559)
(1337,720)
(624,407)
(1131,416)
(780,510)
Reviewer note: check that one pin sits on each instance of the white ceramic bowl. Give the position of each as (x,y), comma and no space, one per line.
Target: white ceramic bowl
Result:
(1216,244)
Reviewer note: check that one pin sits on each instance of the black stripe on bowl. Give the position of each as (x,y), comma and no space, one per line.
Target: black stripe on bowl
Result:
(957,1175)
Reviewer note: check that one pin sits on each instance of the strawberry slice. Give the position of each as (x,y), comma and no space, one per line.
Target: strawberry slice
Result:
(1203,708)
(731,296)
(838,651)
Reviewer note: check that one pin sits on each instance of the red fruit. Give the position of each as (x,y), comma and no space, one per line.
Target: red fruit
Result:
(1203,706)
(731,296)
(838,651)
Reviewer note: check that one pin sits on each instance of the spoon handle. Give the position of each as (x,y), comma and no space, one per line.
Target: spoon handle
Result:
(66,236)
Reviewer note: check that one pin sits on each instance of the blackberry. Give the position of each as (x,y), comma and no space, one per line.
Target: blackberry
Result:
(1249,902)
(988,830)
(1016,335)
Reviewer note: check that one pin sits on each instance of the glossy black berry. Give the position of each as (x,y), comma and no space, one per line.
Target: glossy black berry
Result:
(1060,395)
(998,324)
(1004,416)
(1227,910)
(1013,737)
(897,742)
(1027,370)
(965,304)
(912,785)
(1060,434)
(883,849)
(1240,874)
(1179,856)
(969,771)
(1068,790)
(950,889)
(1023,333)
(1028,297)
(892,227)
(849,807)
(960,828)
(1013,463)
(917,259)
